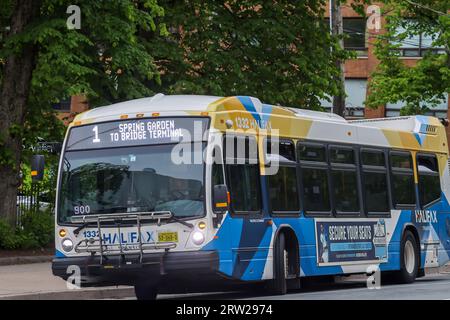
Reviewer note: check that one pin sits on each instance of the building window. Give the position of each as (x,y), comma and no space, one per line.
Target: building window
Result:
(355,31)
(63,105)
(416,45)
(355,90)
(438,111)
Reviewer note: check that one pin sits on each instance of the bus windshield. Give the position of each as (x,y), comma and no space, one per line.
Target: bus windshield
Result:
(131,179)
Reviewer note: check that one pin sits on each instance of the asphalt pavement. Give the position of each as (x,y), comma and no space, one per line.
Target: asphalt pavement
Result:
(35,281)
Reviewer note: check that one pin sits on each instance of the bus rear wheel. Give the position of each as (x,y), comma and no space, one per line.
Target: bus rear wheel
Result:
(279,285)
(409,259)
(145,292)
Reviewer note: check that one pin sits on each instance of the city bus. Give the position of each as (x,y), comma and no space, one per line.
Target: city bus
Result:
(183,190)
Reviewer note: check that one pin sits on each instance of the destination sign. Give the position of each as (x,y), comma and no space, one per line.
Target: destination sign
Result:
(137,132)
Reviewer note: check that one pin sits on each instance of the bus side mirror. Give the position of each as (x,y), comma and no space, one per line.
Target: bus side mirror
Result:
(37,167)
(221,198)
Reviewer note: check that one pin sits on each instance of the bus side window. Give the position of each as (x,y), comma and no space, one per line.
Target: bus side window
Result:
(315,179)
(375,182)
(345,181)
(217,173)
(242,174)
(402,179)
(217,168)
(429,181)
(283,186)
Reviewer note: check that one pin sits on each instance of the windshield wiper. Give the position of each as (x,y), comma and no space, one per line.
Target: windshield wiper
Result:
(84,225)
(187,224)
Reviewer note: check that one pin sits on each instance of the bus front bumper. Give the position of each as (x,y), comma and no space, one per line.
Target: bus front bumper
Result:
(129,269)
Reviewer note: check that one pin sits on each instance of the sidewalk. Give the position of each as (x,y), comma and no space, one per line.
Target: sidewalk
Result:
(36,281)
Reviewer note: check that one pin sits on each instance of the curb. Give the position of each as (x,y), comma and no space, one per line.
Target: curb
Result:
(109,293)
(24,260)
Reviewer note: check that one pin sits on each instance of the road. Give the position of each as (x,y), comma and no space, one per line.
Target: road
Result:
(37,282)
(431,287)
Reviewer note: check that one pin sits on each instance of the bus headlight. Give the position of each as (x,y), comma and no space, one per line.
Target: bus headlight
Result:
(198,238)
(67,245)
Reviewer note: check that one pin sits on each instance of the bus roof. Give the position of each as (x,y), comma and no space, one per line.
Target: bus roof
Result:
(319,124)
(191,103)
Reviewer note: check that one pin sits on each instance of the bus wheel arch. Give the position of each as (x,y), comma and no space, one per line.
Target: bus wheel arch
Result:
(409,248)
(411,228)
(285,238)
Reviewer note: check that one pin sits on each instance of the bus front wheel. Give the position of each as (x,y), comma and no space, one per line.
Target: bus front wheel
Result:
(145,292)
(409,259)
(278,285)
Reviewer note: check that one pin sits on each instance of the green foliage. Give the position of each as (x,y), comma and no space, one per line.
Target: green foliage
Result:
(37,231)
(39,226)
(276,51)
(423,86)
(8,237)
(106,60)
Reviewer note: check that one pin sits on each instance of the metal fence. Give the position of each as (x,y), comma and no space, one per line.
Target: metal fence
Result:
(28,200)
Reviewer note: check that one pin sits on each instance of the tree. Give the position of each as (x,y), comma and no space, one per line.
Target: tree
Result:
(43,61)
(424,85)
(337,29)
(276,51)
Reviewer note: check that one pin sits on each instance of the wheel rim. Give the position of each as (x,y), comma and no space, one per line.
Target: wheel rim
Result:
(409,257)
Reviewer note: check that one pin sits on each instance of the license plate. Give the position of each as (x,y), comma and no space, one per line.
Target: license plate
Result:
(168,237)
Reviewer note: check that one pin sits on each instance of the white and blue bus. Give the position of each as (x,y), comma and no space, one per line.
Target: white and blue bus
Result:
(154,193)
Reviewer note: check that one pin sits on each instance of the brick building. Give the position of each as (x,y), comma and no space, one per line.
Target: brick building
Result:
(357,71)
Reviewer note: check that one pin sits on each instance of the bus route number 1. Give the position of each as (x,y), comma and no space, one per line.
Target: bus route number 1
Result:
(96,139)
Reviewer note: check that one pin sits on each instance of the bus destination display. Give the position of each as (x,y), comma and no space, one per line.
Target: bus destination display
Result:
(136,132)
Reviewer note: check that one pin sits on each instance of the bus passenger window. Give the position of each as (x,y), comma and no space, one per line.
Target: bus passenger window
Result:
(429,181)
(311,153)
(283,190)
(345,180)
(244,188)
(402,179)
(375,182)
(345,185)
(345,156)
(315,181)
(286,149)
(242,173)
(316,190)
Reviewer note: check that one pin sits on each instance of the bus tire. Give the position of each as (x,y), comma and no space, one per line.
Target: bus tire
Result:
(409,259)
(145,292)
(279,285)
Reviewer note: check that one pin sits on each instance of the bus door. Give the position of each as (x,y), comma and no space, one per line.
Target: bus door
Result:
(250,234)
(432,216)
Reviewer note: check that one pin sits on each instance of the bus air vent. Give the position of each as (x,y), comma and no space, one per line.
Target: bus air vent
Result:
(428,129)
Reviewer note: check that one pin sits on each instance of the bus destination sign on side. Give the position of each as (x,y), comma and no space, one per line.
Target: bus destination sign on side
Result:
(136,132)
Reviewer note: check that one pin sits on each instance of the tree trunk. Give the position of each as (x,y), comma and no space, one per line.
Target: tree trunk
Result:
(14,92)
(337,29)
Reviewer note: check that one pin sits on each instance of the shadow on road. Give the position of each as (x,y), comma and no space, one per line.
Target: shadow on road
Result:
(309,285)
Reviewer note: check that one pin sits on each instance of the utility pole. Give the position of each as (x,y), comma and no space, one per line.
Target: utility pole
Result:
(337,30)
